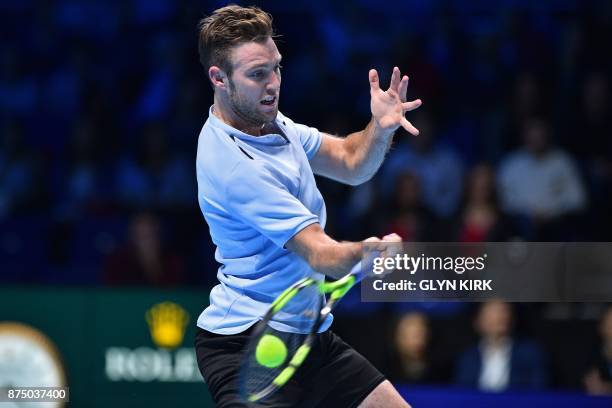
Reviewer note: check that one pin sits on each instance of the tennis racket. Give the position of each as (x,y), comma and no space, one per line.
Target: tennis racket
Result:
(276,351)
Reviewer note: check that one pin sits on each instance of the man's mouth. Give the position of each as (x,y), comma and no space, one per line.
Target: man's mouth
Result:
(268,100)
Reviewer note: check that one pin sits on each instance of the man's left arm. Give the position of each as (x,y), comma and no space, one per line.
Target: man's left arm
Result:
(356,158)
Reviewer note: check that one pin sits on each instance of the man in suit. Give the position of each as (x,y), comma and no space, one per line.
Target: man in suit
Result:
(500,361)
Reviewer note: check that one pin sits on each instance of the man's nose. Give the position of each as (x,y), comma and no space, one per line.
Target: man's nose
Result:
(275,81)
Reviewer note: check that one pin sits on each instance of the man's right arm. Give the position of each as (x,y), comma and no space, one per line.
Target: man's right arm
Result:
(336,259)
(324,254)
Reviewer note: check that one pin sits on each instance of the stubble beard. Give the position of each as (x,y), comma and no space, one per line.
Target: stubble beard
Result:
(245,110)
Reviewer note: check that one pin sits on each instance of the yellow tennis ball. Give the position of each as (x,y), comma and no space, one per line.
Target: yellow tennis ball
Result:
(271,351)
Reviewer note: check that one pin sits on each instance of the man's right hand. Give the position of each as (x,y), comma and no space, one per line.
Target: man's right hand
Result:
(388,245)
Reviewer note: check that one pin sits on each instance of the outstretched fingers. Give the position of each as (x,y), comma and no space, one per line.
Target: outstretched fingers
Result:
(373,75)
(395,80)
(412,105)
(409,127)
(403,88)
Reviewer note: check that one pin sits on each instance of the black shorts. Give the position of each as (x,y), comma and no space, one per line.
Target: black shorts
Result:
(333,375)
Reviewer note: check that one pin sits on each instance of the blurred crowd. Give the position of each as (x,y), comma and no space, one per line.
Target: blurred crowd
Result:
(101,104)
(492,350)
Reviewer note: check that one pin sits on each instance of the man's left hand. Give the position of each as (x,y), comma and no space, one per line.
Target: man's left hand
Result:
(389,107)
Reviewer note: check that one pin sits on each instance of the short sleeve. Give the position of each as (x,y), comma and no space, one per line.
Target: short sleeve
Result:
(262,202)
(310,138)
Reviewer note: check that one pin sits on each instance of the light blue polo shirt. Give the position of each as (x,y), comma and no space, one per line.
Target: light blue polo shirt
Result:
(256,193)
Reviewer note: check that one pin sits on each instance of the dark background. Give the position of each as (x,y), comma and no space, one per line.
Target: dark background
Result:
(101,104)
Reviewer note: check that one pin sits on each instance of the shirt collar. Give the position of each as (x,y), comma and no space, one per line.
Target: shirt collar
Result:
(271,139)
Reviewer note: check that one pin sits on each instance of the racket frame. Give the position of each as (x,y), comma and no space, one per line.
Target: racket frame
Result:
(336,290)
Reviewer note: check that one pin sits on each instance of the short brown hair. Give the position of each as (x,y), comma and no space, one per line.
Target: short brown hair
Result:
(228,27)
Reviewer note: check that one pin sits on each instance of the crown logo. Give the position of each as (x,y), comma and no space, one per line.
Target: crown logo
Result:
(167,322)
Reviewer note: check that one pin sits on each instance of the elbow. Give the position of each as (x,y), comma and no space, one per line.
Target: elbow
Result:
(351,181)
(360,179)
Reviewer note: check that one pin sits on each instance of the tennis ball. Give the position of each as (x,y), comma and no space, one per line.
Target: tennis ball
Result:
(271,351)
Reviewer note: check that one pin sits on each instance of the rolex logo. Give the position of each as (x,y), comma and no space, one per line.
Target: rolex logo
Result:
(167,322)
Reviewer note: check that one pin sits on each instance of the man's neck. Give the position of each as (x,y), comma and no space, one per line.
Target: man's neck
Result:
(496,342)
(224,113)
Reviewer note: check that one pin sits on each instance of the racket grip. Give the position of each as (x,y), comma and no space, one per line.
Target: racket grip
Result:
(364,267)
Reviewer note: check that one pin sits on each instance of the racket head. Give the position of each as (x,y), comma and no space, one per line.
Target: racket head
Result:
(280,342)
(305,307)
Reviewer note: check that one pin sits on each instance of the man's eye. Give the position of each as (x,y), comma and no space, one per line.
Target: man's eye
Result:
(257,74)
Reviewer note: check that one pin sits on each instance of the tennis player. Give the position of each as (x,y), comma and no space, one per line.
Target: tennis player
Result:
(257,191)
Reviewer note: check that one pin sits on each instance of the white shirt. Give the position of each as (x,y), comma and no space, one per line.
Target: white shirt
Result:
(549,184)
(495,370)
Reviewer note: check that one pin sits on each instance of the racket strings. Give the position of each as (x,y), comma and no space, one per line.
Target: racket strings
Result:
(301,313)
(257,376)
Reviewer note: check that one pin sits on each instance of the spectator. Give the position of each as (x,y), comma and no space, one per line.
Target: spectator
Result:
(144,260)
(84,182)
(598,380)
(500,361)
(589,128)
(409,217)
(158,177)
(438,167)
(589,137)
(412,358)
(541,182)
(480,218)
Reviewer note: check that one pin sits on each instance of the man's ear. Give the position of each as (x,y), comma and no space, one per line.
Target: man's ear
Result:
(217,77)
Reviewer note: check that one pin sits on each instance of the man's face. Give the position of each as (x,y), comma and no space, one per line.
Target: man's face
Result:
(536,137)
(254,86)
(495,319)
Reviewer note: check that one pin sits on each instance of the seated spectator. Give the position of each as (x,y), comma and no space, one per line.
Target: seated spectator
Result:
(588,136)
(412,360)
(408,216)
(588,129)
(541,182)
(158,177)
(144,260)
(598,380)
(480,218)
(438,168)
(83,189)
(500,361)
